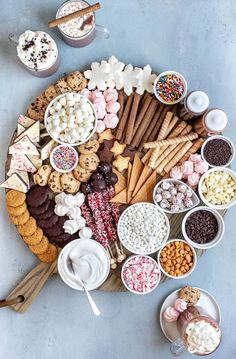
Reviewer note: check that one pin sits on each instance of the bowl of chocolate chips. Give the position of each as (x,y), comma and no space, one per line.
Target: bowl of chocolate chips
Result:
(218,151)
(203,227)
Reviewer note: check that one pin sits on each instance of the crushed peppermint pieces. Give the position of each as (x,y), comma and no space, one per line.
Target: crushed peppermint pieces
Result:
(143,228)
(64,158)
(141,274)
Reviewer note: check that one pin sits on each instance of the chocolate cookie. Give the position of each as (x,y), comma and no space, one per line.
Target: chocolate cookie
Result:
(62,86)
(190,295)
(37,211)
(48,213)
(90,146)
(56,230)
(37,108)
(37,196)
(62,239)
(81,174)
(49,222)
(76,81)
(89,162)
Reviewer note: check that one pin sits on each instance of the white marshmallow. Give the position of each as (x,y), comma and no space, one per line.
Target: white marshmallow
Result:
(69,96)
(62,101)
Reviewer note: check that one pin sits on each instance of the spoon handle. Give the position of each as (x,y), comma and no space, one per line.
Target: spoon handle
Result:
(91,302)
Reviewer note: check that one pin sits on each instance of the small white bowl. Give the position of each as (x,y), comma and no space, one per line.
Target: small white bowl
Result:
(195,198)
(194,260)
(59,169)
(178,75)
(217,206)
(56,139)
(90,246)
(218,237)
(226,139)
(124,282)
(136,251)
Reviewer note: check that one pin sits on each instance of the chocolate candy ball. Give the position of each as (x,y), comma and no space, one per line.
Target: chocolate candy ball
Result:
(104,167)
(96,176)
(85,188)
(111,179)
(99,185)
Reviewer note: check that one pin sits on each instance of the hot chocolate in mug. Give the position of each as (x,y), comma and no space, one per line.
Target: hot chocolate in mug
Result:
(199,334)
(81,31)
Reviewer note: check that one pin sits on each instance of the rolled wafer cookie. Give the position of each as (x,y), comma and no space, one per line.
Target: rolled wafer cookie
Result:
(124,117)
(171,141)
(144,106)
(168,149)
(131,120)
(185,147)
(195,147)
(161,136)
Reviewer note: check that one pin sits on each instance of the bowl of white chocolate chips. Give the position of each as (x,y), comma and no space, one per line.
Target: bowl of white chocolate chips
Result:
(217,188)
(70,119)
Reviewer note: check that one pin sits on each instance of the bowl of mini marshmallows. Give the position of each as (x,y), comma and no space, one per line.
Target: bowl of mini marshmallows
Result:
(217,188)
(70,119)
(174,196)
(143,228)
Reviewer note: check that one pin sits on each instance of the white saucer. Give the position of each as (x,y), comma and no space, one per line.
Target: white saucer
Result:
(206,301)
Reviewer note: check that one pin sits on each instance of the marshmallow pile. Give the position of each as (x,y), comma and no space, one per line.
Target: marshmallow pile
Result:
(143,228)
(69,205)
(114,73)
(190,170)
(106,107)
(70,119)
(174,197)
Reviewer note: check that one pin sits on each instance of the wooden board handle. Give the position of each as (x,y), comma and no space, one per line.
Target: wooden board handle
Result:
(31,285)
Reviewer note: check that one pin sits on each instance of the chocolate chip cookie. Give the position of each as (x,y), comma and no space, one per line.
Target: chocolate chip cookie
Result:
(76,81)
(81,174)
(91,146)
(89,162)
(190,295)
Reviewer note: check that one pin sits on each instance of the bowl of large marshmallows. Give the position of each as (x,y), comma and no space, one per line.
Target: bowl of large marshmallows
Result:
(70,119)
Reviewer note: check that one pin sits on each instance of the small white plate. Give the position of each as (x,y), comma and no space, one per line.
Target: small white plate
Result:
(206,301)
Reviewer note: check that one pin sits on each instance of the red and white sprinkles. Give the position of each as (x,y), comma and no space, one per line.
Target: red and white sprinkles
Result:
(141,274)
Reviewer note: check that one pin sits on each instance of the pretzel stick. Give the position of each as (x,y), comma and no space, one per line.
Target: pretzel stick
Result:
(163,159)
(145,123)
(161,136)
(179,130)
(185,147)
(74,15)
(131,120)
(121,102)
(172,141)
(195,147)
(142,112)
(124,117)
